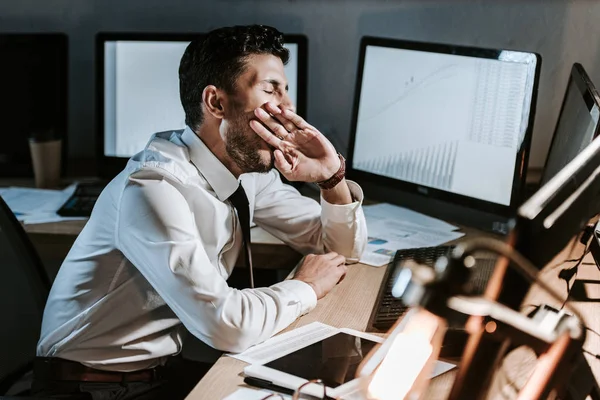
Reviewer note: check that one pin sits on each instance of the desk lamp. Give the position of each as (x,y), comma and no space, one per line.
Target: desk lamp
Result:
(400,367)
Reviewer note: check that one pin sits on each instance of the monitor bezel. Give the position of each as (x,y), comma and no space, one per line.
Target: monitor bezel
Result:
(421,191)
(591,97)
(110,166)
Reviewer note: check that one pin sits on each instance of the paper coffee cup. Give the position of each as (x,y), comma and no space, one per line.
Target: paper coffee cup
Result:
(46,159)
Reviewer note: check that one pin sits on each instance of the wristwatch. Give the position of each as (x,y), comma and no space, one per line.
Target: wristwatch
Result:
(336,178)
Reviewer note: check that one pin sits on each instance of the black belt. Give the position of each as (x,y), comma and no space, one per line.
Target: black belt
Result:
(58,369)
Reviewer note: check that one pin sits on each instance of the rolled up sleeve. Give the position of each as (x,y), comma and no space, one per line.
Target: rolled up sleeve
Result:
(308,227)
(344,225)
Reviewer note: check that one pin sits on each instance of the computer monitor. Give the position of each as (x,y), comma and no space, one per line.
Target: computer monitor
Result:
(577,123)
(444,129)
(138,90)
(552,216)
(566,200)
(33,82)
(544,225)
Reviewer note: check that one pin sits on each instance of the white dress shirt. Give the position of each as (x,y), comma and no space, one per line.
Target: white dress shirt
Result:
(157,251)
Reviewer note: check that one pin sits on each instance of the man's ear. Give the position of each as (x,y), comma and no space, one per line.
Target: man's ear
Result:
(212,99)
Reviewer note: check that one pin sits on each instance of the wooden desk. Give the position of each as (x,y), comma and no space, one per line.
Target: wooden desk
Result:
(350,304)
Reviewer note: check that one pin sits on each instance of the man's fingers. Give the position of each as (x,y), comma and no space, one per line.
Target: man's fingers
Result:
(277,113)
(287,124)
(331,255)
(272,108)
(265,134)
(342,277)
(335,258)
(296,119)
(339,260)
(281,163)
(274,125)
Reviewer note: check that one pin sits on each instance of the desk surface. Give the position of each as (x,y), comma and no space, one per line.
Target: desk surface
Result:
(350,304)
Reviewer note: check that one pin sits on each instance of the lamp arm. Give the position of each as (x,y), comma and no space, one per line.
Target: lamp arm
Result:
(510,323)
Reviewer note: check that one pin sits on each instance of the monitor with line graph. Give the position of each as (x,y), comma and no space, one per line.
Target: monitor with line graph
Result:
(444,129)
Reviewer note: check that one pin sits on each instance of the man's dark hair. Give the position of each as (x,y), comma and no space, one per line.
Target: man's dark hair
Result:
(219,59)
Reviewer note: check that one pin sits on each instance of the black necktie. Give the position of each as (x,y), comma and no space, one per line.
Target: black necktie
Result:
(240,203)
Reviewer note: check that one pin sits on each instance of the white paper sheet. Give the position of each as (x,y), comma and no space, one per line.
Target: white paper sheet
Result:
(44,218)
(251,394)
(35,201)
(386,211)
(394,228)
(286,343)
(37,206)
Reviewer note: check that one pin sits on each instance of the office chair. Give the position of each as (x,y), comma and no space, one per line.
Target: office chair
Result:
(24,288)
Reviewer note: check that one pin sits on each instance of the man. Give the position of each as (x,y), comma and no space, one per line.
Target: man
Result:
(163,237)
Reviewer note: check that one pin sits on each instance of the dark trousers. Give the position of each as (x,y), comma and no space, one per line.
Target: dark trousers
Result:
(176,381)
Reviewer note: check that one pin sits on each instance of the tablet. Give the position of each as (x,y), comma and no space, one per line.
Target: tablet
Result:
(333,359)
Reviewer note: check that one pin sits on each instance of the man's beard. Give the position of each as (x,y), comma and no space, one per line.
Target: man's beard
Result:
(243,145)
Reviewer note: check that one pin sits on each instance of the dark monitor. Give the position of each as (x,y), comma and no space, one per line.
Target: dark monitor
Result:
(444,129)
(138,90)
(544,225)
(566,199)
(577,123)
(553,215)
(33,82)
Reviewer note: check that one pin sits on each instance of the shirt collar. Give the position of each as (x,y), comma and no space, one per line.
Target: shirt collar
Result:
(223,182)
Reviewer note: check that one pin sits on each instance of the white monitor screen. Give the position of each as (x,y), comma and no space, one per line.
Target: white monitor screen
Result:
(445,121)
(141,91)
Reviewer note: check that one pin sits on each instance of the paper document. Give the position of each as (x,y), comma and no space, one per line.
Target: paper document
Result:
(28,200)
(44,218)
(386,211)
(394,228)
(280,345)
(251,394)
(36,206)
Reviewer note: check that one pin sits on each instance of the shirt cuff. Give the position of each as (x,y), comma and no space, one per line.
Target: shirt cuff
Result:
(343,212)
(302,292)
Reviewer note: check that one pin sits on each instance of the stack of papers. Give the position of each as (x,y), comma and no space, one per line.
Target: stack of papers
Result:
(37,206)
(394,228)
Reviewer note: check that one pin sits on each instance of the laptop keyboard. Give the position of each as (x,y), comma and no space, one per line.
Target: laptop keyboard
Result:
(82,201)
(388,308)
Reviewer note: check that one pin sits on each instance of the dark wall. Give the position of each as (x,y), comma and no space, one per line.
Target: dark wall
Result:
(561,31)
